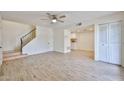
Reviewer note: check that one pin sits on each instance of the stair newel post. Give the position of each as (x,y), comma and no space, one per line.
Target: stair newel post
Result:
(21,45)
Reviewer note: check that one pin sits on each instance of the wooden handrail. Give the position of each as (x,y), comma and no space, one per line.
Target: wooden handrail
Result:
(21,44)
(28,33)
(21,39)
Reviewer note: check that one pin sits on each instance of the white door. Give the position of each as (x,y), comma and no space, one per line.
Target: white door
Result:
(103,42)
(115,42)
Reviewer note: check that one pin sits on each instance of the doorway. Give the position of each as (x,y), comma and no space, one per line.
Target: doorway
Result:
(82,39)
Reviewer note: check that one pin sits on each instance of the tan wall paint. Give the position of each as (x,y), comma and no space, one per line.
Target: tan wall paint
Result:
(85,41)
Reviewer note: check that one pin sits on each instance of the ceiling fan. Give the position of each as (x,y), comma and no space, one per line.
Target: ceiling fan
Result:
(54,18)
(79,24)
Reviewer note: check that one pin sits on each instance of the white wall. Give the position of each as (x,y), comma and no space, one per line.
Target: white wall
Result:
(58,40)
(0,32)
(62,40)
(85,41)
(122,47)
(12,32)
(42,43)
(67,41)
(105,19)
(122,57)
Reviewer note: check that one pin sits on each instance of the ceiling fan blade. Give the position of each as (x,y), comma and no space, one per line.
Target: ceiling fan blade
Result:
(44,19)
(63,16)
(60,21)
(49,15)
(79,24)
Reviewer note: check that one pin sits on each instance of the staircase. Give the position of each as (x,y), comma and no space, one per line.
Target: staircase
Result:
(7,56)
(27,38)
(11,55)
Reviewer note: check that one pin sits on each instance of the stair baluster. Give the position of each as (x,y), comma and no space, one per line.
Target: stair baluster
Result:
(27,38)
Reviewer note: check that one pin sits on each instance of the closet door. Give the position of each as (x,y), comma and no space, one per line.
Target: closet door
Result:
(103,42)
(115,42)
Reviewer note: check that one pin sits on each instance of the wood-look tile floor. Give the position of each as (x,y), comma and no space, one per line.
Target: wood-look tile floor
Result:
(52,66)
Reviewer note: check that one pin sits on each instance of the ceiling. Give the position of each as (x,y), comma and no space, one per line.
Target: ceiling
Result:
(72,17)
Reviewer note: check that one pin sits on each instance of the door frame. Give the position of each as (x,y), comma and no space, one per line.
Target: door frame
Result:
(122,43)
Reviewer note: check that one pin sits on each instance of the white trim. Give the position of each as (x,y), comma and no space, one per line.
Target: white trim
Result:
(122,43)
(96,38)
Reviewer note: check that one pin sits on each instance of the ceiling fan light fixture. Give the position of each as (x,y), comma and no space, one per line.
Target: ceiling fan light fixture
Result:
(54,20)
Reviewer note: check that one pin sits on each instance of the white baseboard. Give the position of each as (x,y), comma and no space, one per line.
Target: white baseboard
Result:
(83,50)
